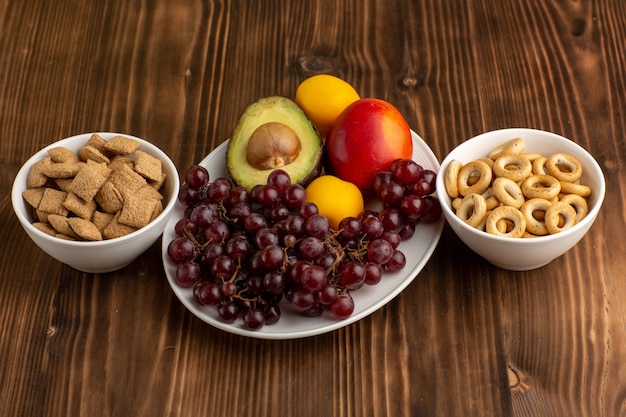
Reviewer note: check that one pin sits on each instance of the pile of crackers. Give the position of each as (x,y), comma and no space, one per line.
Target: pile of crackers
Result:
(107,189)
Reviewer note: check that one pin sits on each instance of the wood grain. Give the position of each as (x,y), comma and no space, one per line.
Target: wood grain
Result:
(465,338)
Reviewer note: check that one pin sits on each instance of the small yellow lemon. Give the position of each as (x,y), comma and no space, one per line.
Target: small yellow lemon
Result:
(335,198)
(323,97)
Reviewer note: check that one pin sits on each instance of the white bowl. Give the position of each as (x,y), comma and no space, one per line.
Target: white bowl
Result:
(106,255)
(521,254)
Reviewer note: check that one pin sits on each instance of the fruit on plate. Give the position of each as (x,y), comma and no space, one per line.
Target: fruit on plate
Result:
(274,132)
(248,253)
(323,97)
(365,139)
(335,198)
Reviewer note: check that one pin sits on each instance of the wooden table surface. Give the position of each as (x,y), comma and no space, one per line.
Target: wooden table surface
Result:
(464,339)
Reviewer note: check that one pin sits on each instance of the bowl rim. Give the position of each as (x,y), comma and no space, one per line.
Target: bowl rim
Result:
(584,224)
(18,188)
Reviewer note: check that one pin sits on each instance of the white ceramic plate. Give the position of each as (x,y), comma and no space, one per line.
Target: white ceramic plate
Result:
(367,299)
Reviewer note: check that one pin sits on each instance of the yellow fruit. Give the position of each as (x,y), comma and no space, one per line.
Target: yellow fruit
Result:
(323,97)
(335,198)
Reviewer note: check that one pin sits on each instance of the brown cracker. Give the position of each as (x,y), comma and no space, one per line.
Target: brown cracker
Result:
(121,145)
(62,154)
(80,207)
(87,182)
(116,229)
(64,237)
(88,152)
(159,183)
(126,181)
(62,169)
(137,212)
(61,225)
(84,228)
(52,202)
(63,184)
(36,176)
(102,220)
(45,227)
(158,209)
(42,216)
(148,192)
(96,141)
(109,198)
(107,174)
(147,166)
(33,196)
(118,160)
(100,167)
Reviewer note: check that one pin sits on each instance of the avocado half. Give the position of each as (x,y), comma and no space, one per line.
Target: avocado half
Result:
(274,133)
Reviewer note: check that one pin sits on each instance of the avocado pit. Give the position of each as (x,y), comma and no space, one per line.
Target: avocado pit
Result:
(272,145)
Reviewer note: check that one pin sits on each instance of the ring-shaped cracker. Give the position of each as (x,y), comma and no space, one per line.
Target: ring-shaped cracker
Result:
(507,213)
(579,203)
(564,167)
(555,213)
(488,161)
(514,146)
(531,156)
(573,188)
(450,178)
(513,167)
(491,199)
(541,186)
(508,192)
(481,225)
(539,166)
(504,225)
(534,225)
(474,169)
(472,210)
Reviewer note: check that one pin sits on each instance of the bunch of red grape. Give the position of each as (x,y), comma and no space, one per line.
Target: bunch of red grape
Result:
(246,251)
(406,193)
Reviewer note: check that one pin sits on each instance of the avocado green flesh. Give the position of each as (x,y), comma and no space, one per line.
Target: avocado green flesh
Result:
(302,169)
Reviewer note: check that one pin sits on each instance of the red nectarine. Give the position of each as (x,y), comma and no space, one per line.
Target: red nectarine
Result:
(365,139)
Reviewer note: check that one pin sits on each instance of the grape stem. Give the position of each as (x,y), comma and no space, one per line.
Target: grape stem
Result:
(257,299)
(236,273)
(199,247)
(333,245)
(223,213)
